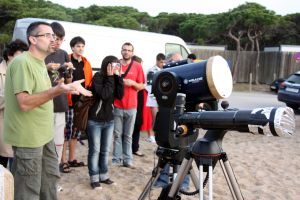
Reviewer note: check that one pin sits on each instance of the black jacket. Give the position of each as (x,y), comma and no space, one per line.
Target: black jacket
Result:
(105,88)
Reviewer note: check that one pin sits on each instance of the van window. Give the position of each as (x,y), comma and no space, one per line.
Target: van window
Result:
(176,48)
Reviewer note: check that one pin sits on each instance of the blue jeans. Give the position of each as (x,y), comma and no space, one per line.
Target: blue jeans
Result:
(163,179)
(100,137)
(35,172)
(123,129)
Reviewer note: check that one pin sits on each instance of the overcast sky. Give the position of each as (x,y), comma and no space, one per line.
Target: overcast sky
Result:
(154,7)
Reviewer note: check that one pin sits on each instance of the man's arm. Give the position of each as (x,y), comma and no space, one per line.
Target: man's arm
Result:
(131,83)
(30,101)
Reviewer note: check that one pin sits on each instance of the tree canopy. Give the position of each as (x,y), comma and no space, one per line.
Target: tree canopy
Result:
(248,23)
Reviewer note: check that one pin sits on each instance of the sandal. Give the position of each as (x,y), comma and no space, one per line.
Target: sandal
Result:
(65,168)
(74,163)
(137,153)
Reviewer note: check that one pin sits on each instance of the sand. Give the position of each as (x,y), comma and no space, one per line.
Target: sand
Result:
(266,168)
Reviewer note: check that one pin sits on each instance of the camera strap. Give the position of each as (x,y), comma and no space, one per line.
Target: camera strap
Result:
(127,70)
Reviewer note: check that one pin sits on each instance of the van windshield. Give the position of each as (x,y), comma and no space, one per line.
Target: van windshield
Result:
(176,48)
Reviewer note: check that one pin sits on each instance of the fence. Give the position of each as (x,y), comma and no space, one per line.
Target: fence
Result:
(272,64)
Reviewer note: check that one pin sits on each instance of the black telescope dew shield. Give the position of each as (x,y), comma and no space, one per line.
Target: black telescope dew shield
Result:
(265,121)
(203,81)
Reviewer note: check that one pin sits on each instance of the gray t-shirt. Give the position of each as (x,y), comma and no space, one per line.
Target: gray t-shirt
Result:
(61,101)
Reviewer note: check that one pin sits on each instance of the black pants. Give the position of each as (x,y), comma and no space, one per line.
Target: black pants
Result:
(3,161)
(138,122)
(136,137)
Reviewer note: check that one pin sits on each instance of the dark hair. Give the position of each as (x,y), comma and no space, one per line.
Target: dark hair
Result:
(128,44)
(76,40)
(58,29)
(192,56)
(31,30)
(106,61)
(137,59)
(13,47)
(160,56)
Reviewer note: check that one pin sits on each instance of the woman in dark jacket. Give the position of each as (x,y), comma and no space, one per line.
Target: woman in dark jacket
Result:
(107,84)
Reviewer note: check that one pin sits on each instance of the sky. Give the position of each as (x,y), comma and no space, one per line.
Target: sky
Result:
(154,7)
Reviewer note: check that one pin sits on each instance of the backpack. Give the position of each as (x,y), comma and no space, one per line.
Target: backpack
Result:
(81,112)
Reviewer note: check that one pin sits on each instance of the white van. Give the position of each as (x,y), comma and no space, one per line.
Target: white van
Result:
(101,41)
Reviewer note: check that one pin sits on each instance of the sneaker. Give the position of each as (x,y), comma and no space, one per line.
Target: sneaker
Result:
(128,166)
(151,139)
(108,182)
(96,185)
(59,188)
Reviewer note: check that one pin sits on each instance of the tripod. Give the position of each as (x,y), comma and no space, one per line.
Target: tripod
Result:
(206,152)
(166,156)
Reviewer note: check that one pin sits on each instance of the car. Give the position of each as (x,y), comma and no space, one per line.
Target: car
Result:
(274,86)
(289,91)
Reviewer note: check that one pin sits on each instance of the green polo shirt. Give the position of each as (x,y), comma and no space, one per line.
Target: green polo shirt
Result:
(32,128)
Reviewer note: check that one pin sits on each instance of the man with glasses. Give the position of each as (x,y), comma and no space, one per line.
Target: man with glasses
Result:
(28,116)
(125,109)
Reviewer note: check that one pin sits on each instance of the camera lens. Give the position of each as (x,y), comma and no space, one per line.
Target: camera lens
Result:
(165,84)
(115,64)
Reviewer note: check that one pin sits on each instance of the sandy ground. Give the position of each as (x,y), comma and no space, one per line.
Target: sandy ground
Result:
(266,168)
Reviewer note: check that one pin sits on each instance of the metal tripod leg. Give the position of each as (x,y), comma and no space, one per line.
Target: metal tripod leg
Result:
(155,174)
(230,178)
(210,179)
(183,170)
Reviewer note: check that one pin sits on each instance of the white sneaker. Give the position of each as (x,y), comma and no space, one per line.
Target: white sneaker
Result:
(59,188)
(151,139)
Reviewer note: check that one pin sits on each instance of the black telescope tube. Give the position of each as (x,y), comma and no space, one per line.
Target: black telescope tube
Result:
(232,120)
(266,121)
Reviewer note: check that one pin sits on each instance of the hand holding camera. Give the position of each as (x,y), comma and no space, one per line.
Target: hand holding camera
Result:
(64,71)
(116,68)
(53,66)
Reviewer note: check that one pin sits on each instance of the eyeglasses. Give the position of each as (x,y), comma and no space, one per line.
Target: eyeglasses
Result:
(46,35)
(127,50)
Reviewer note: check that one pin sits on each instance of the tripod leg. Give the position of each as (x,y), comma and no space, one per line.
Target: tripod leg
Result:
(230,178)
(201,189)
(210,182)
(208,163)
(152,180)
(194,178)
(183,170)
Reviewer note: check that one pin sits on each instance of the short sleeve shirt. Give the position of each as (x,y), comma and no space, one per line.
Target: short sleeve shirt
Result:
(60,56)
(129,100)
(32,128)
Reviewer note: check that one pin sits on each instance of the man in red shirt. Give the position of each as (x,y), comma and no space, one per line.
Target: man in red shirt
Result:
(125,109)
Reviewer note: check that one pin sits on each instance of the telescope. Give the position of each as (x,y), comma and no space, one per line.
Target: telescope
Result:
(179,89)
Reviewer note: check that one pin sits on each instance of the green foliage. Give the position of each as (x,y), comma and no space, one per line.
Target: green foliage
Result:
(193,28)
(116,20)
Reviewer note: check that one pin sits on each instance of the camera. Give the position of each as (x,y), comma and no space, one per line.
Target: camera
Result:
(115,64)
(64,72)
